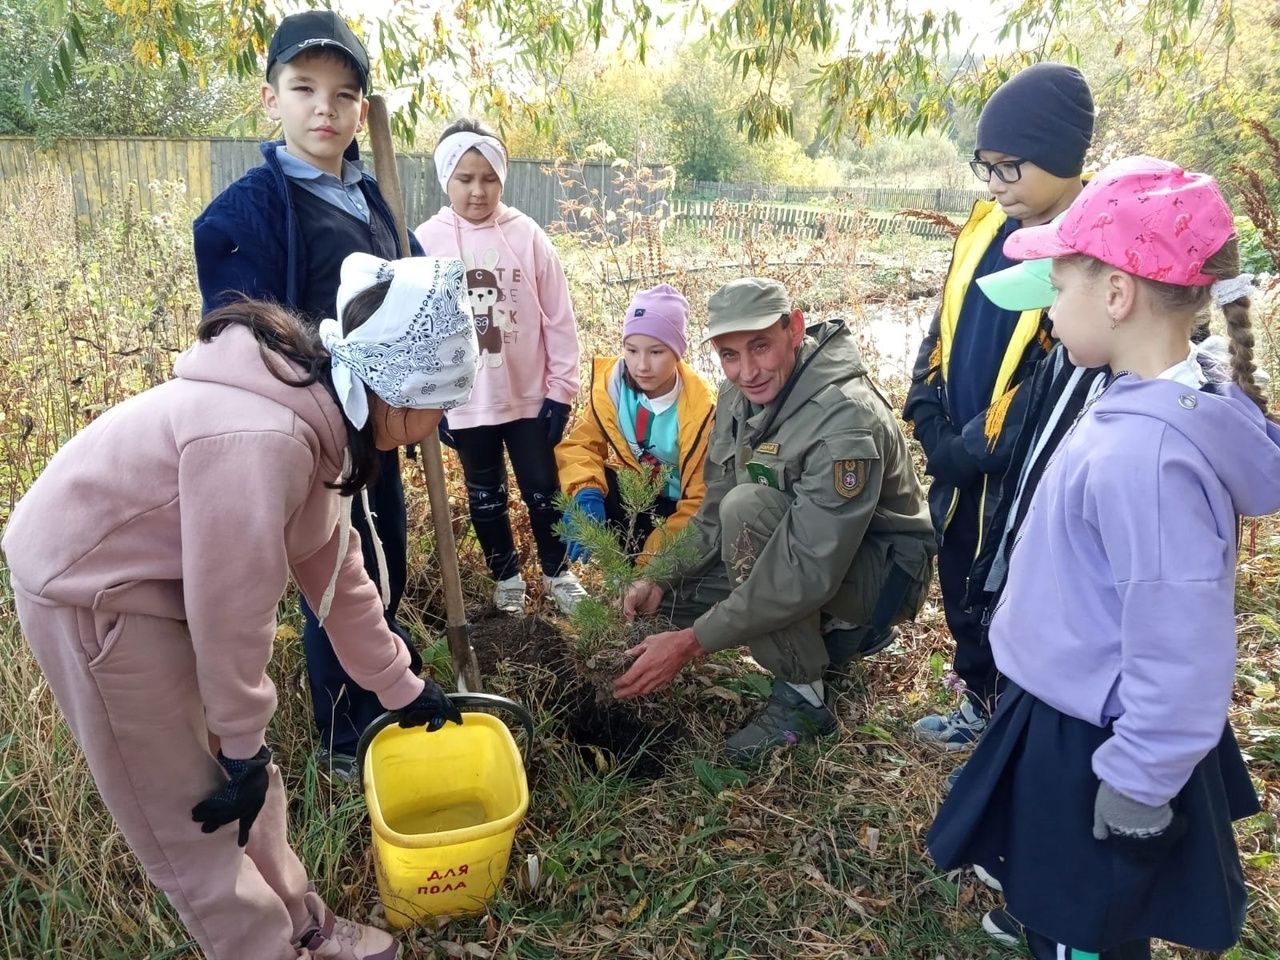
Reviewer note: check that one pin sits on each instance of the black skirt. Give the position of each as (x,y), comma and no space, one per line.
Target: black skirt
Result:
(1023,810)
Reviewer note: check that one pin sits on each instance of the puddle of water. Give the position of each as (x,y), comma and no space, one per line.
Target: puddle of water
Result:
(889,335)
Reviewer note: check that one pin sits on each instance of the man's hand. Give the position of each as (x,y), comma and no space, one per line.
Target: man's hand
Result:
(641,599)
(658,658)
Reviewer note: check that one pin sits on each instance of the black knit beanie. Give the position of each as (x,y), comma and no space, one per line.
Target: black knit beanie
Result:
(1043,114)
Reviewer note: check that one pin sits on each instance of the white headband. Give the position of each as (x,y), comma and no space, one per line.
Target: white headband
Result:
(455,145)
(1232,289)
(417,350)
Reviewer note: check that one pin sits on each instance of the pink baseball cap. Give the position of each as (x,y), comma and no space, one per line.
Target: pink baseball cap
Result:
(1144,216)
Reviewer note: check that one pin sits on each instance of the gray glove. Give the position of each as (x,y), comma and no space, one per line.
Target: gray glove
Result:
(1114,814)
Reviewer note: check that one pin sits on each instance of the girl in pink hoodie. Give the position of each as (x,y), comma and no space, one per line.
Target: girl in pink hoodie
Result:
(529,372)
(150,556)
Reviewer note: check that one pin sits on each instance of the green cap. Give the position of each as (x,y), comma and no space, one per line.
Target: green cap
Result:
(1024,286)
(751,303)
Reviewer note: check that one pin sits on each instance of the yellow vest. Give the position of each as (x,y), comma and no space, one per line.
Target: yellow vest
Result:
(984,223)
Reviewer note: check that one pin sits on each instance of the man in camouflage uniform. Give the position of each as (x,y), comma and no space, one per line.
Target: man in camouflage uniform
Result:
(814,535)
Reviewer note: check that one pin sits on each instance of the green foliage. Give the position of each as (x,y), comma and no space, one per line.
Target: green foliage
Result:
(891,158)
(111,91)
(598,621)
(879,64)
(704,141)
(1254,257)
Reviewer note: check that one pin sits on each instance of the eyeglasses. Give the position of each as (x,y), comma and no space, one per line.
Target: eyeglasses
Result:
(1007,171)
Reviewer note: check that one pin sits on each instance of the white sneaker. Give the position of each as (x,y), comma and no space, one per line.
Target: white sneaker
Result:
(987,879)
(565,591)
(508,595)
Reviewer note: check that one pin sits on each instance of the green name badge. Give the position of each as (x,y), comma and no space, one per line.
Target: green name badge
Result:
(762,475)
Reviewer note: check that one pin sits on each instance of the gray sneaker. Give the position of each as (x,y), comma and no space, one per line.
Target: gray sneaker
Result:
(958,730)
(786,720)
(338,767)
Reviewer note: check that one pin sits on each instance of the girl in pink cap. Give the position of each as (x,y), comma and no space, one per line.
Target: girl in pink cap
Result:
(646,410)
(1102,795)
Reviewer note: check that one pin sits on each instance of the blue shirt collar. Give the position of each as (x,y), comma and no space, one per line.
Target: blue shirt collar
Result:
(298,169)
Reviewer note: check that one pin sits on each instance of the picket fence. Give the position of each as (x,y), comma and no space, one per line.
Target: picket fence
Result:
(941,199)
(737,221)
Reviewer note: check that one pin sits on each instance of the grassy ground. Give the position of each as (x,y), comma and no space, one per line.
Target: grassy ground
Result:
(818,855)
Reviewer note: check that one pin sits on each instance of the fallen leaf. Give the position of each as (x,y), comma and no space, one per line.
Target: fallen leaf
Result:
(724,694)
(637,909)
(871,837)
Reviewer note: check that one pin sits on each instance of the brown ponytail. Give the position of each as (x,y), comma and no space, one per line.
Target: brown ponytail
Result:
(1240,335)
(1224,265)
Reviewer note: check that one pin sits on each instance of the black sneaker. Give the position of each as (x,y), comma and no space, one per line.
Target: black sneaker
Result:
(848,644)
(786,720)
(1001,926)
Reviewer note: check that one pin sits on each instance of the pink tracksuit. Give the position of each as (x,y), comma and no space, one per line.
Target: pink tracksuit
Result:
(147,563)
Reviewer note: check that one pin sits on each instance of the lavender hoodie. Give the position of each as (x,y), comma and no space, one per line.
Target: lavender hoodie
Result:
(518,292)
(1120,600)
(194,501)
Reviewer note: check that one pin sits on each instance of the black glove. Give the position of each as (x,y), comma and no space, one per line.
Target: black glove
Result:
(950,462)
(930,429)
(430,707)
(240,798)
(446,435)
(555,416)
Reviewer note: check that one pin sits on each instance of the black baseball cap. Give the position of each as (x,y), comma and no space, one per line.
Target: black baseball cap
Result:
(317,30)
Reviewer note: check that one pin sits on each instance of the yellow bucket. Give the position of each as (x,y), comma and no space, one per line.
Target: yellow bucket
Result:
(444,807)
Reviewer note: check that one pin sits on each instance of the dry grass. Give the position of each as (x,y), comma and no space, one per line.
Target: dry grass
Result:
(818,855)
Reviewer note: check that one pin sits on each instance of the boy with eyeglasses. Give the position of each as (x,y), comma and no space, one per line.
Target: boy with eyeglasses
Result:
(964,403)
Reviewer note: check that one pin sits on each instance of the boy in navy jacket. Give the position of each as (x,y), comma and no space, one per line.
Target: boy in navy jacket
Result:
(280,233)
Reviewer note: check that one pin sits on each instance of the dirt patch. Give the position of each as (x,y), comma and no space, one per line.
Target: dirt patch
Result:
(539,663)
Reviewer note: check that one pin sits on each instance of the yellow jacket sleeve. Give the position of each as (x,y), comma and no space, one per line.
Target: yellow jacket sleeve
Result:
(580,456)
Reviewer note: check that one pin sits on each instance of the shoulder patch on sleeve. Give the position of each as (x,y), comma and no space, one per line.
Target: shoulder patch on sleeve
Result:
(850,477)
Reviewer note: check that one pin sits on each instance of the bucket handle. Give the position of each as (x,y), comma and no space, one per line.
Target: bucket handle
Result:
(489,701)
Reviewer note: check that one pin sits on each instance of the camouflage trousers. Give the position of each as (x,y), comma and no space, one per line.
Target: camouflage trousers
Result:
(796,653)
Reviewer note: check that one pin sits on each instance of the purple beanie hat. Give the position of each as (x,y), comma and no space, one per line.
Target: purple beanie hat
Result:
(661,313)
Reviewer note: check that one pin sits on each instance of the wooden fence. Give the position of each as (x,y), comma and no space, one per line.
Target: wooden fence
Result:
(737,221)
(571,194)
(98,166)
(941,199)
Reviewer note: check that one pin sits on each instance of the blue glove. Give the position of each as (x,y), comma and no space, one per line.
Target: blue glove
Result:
(591,502)
(554,415)
(446,435)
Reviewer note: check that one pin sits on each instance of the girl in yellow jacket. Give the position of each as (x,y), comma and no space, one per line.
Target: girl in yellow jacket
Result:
(646,410)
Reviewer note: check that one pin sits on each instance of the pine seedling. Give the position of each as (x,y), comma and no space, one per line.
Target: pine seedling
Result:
(597,621)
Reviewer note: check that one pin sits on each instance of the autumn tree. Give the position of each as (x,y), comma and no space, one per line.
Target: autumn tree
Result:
(879,64)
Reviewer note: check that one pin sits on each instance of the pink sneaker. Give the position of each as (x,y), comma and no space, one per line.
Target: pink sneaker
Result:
(334,938)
